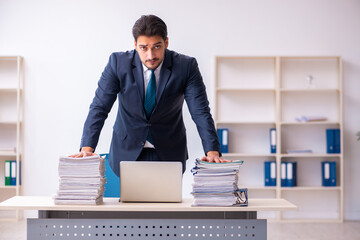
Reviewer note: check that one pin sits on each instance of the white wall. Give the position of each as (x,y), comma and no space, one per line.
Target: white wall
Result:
(66,45)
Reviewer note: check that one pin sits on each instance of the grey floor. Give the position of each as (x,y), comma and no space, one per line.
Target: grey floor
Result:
(276,231)
(314,231)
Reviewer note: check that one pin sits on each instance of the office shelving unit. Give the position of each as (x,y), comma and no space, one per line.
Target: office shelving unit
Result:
(254,94)
(11,111)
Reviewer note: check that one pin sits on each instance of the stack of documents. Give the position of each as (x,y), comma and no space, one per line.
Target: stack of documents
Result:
(215,184)
(81,180)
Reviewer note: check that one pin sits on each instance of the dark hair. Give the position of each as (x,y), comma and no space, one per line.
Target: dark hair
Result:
(149,25)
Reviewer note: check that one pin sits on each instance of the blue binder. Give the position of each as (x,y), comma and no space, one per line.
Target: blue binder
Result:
(13,174)
(333,140)
(283,174)
(330,145)
(272,140)
(337,145)
(270,173)
(291,174)
(328,169)
(223,134)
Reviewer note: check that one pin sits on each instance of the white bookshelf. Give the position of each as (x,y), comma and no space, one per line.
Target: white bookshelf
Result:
(254,94)
(11,111)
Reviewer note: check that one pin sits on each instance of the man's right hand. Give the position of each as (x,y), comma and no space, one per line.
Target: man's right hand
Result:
(85,152)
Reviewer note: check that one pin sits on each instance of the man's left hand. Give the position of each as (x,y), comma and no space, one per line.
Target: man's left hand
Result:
(213,156)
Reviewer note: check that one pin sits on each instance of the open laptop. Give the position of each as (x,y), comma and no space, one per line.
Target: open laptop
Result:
(142,181)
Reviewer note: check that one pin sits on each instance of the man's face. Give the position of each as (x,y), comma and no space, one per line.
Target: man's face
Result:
(151,50)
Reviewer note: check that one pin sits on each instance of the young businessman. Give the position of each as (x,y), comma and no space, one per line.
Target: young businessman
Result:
(151,83)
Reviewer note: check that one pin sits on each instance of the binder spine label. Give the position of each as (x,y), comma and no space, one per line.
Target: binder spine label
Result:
(291,174)
(289,171)
(327,171)
(273,140)
(225,137)
(272,170)
(7,169)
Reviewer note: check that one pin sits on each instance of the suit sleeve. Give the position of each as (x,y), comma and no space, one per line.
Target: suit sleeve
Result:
(198,104)
(105,96)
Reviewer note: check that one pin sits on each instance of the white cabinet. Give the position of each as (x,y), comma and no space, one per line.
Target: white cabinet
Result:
(254,94)
(11,111)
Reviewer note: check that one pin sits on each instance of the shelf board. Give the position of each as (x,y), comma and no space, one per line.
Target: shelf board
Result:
(9,90)
(7,153)
(244,57)
(315,188)
(248,155)
(245,123)
(315,90)
(310,123)
(7,58)
(246,89)
(261,188)
(8,187)
(310,220)
(304,155)
(7,219)
(8,122)
(308,57)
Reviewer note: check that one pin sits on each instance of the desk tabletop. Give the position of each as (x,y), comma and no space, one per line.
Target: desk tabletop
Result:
(113,204)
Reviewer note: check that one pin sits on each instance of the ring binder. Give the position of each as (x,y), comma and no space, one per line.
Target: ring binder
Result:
(328,173)
(223,134)
(270,173)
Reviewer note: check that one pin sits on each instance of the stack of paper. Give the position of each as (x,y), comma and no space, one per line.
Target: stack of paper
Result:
(81,180)
(215,184)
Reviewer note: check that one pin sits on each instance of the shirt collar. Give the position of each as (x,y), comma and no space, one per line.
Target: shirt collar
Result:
(156,69)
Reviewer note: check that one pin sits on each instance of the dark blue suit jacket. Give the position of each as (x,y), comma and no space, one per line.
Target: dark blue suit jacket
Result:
(180,79)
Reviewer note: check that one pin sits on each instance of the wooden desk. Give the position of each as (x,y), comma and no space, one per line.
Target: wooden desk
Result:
(114,220)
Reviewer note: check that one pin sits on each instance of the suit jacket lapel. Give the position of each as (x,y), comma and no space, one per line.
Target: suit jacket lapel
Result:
(164,75)
(138,75)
